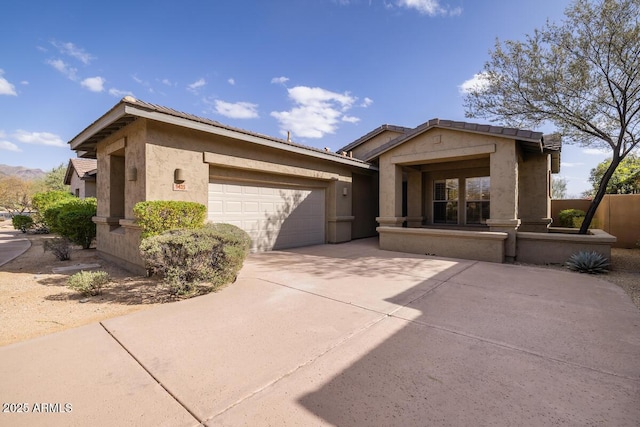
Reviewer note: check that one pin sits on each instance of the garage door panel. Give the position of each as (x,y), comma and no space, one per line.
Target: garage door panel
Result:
(274,217)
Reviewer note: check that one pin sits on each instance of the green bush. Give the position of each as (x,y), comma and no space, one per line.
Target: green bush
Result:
(156,217)
(48,199)
(569,217)
(89,283)
(22,222)
(186,258)
(74,221)
(60,246)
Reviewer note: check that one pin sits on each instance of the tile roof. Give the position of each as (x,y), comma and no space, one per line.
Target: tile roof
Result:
(83,166)
(130,109)
(532,138)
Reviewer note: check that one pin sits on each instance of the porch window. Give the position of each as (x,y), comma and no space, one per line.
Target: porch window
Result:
(478,196)
(445,201)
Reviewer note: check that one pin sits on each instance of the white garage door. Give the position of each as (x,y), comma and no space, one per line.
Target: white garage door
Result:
(274,217)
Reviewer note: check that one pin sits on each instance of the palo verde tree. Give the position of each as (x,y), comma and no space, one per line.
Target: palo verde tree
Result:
(582,75)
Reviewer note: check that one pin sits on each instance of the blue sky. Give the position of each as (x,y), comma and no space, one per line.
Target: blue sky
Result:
(329,71)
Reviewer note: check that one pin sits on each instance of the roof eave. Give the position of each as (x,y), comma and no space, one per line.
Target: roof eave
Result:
(124,109)
(116,113)
(420,130)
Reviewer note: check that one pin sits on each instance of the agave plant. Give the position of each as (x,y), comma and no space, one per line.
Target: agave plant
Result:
(588,262)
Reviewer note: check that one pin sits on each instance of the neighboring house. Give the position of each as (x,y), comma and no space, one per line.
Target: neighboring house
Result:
(81,177)
(444,188)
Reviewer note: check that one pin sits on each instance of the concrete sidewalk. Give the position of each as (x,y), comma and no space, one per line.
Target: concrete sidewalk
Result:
(347,335)
(12,244)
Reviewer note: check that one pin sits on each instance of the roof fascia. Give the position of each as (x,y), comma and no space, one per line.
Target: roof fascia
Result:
(110,117)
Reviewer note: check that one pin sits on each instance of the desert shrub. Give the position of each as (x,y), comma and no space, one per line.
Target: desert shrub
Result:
(588,262)
(156,217)
(569,217)
(186,258)
(60,246)
(89,283)
(74,221)
(22,222)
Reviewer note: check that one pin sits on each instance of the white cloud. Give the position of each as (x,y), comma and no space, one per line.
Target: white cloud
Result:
(570,165)
(193,87)
(279,80)
(94,84)
(6,88)
(72,50)
(238,110)
(9,146)
(167,82)
(231,81)
(597,151)
(350,119)
(24,82)
(478,82)
(120,93)
(39,138)
(366,102)
(64,68)
(425,7)
(316,112)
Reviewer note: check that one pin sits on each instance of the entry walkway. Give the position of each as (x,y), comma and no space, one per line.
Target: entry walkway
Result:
(347,335)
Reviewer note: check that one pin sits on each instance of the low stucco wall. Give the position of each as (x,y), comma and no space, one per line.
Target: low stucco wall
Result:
(120,245)
(557,246)
(475,245)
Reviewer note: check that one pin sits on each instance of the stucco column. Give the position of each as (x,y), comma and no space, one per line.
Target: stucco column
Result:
(504,195)
(390,193)
(414,198)
(535,193)
(339,217)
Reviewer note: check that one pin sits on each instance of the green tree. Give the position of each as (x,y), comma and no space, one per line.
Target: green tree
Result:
(53,180)
(558,187)
(582,75)
(625,180)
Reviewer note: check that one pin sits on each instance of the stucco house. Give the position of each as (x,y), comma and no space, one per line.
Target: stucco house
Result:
(81,177)
(444,188)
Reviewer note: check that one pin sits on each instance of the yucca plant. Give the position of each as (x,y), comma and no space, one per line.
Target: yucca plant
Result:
(588,262)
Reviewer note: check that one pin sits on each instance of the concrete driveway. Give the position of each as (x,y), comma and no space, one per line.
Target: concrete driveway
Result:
(347,335)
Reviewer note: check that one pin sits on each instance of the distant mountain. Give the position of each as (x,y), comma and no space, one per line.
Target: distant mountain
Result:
(21,172)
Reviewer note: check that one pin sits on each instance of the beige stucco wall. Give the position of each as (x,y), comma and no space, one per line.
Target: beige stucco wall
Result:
(557,248)
(364,205)
(155,150)
(534,193)
(82,188)
(366,147)
(515,176)
(116,237)
(481,246)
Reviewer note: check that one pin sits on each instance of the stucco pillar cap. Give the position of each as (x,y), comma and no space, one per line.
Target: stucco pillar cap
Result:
(504,223)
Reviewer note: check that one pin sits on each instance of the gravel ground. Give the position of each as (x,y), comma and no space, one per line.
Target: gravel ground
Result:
(34,301)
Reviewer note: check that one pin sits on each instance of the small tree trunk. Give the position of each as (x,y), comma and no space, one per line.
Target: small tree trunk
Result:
(602,190)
